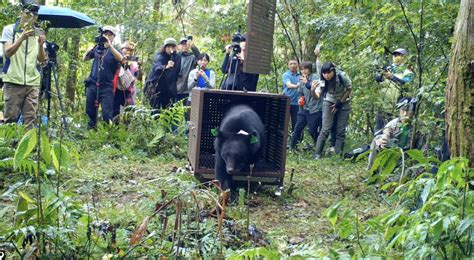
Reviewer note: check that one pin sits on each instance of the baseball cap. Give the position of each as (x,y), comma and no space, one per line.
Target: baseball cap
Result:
(183,41)
(169,41)
(29,5)
(400,51)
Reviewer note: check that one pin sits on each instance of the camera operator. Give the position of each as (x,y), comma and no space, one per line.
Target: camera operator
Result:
(23,51)
(160,87)
(188,62)
(99,85)
(395,79)
(233,65)
(125,95)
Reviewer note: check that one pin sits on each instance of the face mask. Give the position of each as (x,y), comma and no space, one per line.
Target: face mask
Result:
(398,60)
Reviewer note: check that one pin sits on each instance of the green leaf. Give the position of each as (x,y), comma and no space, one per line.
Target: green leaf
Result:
(21,207)
(60,157)
(417,155)
(331,213)
(426,190)
(45,149)
(463,225)
(26,197)
(25,147)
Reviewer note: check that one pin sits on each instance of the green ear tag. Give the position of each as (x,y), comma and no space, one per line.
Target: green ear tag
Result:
(253,139)
(214,132)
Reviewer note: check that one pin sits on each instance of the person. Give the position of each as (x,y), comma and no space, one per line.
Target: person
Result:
(99,84)
(397,133)
(395,80)
(290,88)
(201,77)
(336,87)
(125,95)
(233,65)
(23,52)
(188,62)
(310,111)
(161,81)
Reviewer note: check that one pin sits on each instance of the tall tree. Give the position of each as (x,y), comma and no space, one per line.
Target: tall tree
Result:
(460,86)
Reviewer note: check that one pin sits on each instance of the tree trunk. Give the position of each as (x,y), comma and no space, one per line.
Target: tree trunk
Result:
(460,86)
(72,72)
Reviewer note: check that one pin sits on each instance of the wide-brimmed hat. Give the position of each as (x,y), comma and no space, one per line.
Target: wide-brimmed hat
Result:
(110,29)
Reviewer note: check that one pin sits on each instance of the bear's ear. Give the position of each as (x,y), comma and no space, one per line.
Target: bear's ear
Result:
(254,138)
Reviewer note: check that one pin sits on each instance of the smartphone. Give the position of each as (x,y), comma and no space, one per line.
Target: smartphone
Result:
(190,37)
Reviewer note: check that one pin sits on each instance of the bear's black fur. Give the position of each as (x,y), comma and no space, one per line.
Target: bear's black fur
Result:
(239,143)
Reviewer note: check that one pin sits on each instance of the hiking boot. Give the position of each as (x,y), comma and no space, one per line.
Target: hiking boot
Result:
(317,156)
(332,150)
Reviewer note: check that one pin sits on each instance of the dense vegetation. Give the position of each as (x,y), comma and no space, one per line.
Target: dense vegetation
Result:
(123,190)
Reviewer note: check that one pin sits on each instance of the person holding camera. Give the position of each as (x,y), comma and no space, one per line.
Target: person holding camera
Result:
(397,133)
(233,65)
(395,80)
(23,52)
(99,85)
(336,88)
(129,73)
(202,77)
(188,62)
(160,86)
(310,105)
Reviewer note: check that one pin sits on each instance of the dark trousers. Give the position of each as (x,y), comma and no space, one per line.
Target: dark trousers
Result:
(162,100)
(105,98)
(180,97)
(294,116)
(340,118)
(120,98)
(313,121)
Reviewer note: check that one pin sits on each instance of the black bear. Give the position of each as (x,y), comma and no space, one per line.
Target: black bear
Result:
(239,142)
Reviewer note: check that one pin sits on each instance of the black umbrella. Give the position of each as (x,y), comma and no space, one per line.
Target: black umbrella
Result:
(62,17)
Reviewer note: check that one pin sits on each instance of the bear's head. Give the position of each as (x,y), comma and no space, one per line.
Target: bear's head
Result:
(237,149)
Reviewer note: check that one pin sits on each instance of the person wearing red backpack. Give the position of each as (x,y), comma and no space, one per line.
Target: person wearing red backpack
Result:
(127,76)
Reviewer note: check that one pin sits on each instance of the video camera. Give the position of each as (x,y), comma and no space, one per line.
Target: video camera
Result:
(237,38)
(379,76)
(100,41)
(52,50)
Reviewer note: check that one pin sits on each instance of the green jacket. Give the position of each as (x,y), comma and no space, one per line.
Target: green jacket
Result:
(21,67)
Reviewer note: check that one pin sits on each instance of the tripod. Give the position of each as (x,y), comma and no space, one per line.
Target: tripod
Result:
(233,61)
(49,69)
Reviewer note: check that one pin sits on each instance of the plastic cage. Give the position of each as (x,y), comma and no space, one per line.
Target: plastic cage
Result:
(207,110)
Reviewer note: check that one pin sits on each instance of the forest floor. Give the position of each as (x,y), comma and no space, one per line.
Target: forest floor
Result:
(125,190)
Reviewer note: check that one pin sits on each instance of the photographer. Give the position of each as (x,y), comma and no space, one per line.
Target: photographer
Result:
(202,77)
(160,87)
(233,66)
(188,62)
(23,50)
(310,105)
(397,133)
(129,73)
(99,85)
(336,88)
(395,80)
